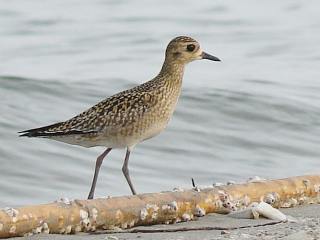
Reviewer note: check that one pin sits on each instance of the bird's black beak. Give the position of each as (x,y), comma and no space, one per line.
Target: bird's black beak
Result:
(205,55)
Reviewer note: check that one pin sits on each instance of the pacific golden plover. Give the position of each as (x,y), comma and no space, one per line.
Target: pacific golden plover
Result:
(132,116)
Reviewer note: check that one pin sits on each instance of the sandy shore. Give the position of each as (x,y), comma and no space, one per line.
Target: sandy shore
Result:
(211,227)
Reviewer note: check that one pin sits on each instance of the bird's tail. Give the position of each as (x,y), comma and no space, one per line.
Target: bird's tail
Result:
(47,131)
(57,129)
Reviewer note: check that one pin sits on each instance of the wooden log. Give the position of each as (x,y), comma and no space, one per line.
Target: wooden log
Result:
(154,208)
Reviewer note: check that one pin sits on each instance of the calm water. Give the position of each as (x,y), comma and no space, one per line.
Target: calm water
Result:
(255,113)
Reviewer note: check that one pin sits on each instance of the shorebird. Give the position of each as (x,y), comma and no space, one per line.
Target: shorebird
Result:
(131,116)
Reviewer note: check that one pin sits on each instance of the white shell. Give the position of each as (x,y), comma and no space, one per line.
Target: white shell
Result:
(268,211)
(186,217)
(230,182)
(217,184)
(111,238)
(64,200)
(143,214)
(178,189)
(259,209)
(255,179)
(199,212)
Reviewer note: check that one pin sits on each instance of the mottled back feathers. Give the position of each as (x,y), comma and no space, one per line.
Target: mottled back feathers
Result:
(116,111)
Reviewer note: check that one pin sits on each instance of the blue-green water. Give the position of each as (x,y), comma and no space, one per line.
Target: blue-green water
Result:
(255,113)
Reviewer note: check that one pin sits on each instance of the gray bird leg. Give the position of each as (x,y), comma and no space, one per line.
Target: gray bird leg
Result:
(96,172)
(125,171)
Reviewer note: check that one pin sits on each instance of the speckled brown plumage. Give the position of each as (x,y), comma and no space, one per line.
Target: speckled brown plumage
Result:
(130,113)
(131,116)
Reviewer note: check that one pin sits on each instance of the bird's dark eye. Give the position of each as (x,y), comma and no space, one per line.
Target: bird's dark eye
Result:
(191,47)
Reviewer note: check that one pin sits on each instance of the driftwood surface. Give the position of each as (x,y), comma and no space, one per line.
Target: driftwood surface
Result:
(67,217)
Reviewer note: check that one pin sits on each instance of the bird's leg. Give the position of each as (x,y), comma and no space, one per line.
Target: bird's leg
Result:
(125,171)
(96,172)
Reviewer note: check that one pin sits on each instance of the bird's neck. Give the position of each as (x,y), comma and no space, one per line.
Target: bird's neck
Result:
(172,73)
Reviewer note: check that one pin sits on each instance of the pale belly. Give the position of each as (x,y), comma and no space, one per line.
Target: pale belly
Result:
(113,140)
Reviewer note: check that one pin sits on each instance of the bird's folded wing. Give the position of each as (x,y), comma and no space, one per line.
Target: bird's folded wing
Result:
(113,112)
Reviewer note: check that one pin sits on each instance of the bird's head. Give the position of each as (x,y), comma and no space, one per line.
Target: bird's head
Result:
(185,49)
